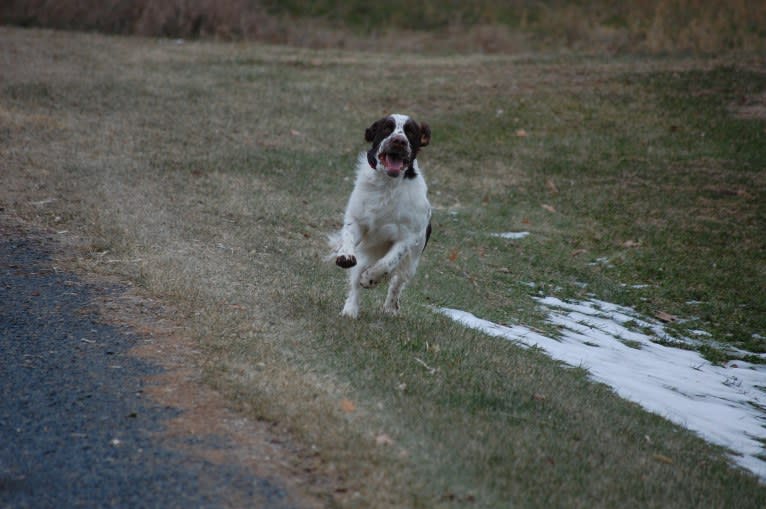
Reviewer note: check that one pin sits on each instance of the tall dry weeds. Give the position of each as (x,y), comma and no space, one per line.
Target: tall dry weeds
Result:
(645,26)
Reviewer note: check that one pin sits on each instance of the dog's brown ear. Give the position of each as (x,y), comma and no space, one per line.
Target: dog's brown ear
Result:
(369,133)
(425,134)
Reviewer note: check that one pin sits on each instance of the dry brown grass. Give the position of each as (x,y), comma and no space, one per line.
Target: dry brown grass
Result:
(645,26)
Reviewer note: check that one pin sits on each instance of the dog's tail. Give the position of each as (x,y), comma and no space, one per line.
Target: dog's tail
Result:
(428,235)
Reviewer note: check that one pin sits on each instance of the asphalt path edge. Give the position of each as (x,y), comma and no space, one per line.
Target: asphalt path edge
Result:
(102,402)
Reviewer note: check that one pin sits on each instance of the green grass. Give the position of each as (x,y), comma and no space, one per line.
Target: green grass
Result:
(216,170)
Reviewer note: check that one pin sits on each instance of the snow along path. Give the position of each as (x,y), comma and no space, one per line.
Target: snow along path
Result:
(511,235)
(726,404)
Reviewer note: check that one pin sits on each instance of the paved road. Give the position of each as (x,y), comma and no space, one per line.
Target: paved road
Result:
(75,427)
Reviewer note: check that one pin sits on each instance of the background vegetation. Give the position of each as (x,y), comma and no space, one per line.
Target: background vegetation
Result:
(643,26)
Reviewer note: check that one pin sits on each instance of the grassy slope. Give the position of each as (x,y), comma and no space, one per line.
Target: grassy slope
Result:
(221,167)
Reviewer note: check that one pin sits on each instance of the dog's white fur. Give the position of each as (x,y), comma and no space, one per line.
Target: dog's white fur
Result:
(384,230)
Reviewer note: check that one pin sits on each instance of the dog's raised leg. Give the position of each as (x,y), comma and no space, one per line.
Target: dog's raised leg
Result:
(349,237)
(383,267)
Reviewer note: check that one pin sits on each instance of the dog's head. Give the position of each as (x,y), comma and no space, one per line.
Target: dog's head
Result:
(396,140)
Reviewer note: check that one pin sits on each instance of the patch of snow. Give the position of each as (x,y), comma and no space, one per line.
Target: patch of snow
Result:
(511,235)
(635,287)
(723,404)
(603,260)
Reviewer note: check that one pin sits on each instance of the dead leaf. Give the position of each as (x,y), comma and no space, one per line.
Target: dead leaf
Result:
(521,133)
(432,348)
(551,185)
(631,243)
(578,252)
(525,221)
(347,405)
(384,439)
(538,397)
(295,132)
(665,317)
(452,256)
(663,459)
(549,208)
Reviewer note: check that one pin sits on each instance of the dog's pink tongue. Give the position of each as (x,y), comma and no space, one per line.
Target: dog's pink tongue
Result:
(393,166)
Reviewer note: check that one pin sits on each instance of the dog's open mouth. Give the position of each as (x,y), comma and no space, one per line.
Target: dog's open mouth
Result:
(393,162)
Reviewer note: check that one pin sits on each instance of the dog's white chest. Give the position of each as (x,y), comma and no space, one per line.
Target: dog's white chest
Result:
(397,212)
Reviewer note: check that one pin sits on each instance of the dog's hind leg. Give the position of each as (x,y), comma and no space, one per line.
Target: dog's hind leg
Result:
(401,276)
(394,290)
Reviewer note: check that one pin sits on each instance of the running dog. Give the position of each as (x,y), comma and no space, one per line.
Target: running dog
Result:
(388,218)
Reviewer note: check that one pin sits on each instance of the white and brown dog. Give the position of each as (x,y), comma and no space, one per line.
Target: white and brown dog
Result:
(388,217)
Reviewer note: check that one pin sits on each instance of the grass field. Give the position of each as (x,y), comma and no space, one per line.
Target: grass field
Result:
(209,174)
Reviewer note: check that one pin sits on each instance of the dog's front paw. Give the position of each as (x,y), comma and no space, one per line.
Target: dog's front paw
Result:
(370,279)
(350,310)
(345,261)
